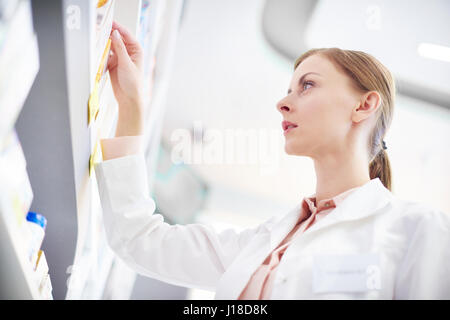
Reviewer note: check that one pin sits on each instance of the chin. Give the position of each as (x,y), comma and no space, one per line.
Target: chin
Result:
(288,150)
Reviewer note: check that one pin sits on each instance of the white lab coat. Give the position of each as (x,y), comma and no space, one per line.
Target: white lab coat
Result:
(372,246)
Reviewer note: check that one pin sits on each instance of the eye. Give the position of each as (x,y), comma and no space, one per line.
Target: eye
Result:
(306,83)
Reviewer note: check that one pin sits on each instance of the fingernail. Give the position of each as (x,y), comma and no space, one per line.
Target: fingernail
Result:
(116,34)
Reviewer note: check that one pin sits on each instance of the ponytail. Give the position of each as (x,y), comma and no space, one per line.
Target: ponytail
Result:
(380,167)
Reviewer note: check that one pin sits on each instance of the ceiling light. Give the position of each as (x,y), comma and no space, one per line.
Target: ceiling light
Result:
(434,51)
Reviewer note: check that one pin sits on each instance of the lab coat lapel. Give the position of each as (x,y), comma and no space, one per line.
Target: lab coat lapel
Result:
(236,277)
(280,230)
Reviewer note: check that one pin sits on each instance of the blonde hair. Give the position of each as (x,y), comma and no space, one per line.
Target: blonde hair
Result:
(367,74)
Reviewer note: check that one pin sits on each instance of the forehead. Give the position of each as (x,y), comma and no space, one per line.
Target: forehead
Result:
(317,63)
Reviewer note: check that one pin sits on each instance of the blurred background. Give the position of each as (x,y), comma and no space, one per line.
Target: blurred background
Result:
(219,157)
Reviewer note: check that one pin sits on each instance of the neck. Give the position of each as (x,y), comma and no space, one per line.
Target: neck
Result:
(338,173)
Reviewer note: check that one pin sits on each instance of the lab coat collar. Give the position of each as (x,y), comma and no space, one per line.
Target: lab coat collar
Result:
(364,201)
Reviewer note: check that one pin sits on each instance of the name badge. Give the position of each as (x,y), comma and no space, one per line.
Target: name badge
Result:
(346,273)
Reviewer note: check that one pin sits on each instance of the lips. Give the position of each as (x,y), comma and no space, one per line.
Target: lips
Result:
(288,125)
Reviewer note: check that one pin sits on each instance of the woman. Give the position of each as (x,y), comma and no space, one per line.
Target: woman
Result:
(352,239)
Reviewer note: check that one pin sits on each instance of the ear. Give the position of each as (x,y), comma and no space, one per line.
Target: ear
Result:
(368,105)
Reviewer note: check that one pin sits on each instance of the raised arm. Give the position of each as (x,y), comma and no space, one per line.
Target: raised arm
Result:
(192,255)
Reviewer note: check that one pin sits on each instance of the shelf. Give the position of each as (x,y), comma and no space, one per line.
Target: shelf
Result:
(17,276)
(104,20)
(85,266)
(107,119)
(93,258)
(102,126)
(18,70)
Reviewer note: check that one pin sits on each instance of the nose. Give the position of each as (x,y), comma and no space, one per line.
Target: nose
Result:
(282,106)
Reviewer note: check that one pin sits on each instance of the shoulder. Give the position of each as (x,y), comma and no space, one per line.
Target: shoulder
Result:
(417,215)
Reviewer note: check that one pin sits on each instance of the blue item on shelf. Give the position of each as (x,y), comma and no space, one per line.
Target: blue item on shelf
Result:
(37,218)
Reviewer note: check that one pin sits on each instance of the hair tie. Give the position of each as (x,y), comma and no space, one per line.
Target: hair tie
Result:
(383,144)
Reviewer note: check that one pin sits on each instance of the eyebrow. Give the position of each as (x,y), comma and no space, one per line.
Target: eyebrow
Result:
(301,79)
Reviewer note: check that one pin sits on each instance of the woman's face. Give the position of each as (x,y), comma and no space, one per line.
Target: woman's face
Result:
(320,101)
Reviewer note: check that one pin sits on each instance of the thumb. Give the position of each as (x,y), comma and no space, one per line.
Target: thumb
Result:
(119,48)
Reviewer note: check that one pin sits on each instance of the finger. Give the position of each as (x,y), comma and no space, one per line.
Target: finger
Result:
(128,38)
(118,47)
(112,61)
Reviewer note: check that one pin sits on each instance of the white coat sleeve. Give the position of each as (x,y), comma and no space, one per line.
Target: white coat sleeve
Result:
(191,255)
(424,272)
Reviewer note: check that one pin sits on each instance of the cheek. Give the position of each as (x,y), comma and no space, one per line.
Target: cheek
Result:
(334,116)
(315,113)
(321,117)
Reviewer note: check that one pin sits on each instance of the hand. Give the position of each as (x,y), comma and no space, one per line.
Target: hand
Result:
(125,70)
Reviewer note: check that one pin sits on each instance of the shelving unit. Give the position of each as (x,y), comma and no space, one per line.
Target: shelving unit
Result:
(18,278)
(84,267)
(18,70)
